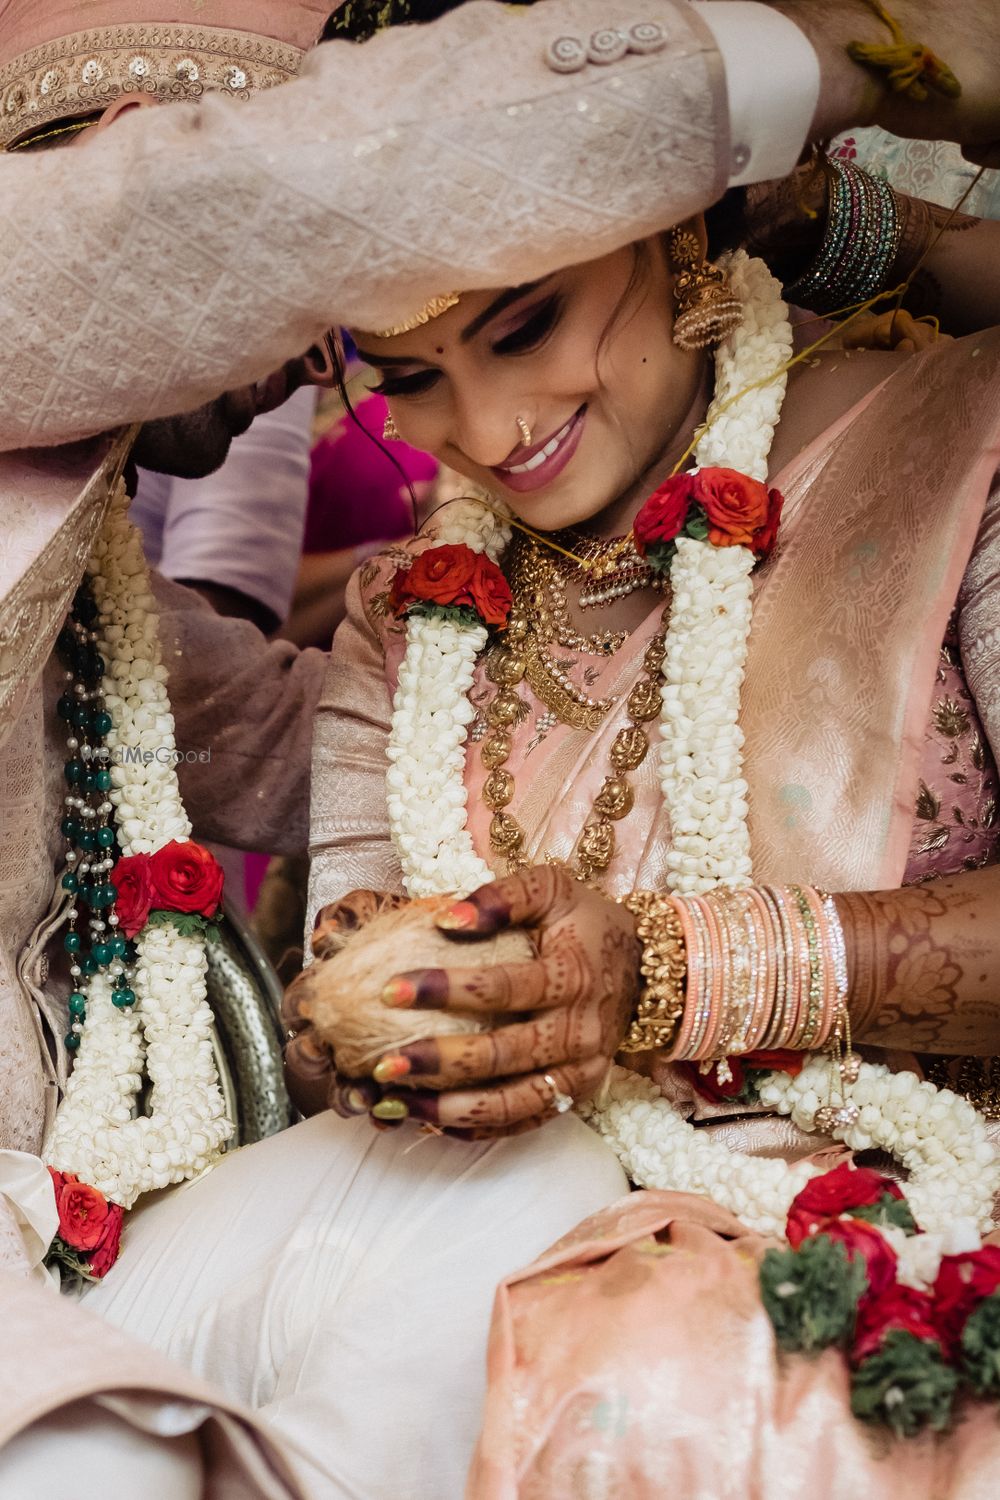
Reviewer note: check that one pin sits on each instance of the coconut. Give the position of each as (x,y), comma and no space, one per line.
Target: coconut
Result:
(340,992)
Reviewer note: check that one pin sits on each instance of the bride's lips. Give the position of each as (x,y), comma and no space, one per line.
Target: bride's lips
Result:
(532,468)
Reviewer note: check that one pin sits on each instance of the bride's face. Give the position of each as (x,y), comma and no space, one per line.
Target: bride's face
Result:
(584,356)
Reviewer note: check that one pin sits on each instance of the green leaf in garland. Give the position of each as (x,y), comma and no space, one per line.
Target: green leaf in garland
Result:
(812,1294)
(888,1210)
(660,555)
(187,923)
(70,1261)
(905,1385)
(455,612)
(696,524)
(981,1347)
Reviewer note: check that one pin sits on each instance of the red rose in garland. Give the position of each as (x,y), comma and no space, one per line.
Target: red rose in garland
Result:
(901,1307)
(453,576)
(441,575)
(82,1210)
(662,517)
(108,1247)
(490,593)
(134,900)
(710,1086)
(835,1193)
(186,878)
(962,1283)
(864,1242)
(739,509)
(765,538)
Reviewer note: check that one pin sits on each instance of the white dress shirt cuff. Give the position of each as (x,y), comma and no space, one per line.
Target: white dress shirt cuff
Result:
(772,79)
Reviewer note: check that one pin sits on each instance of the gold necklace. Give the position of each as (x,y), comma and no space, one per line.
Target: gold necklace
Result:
(543,618)
(609,568)
(595,847)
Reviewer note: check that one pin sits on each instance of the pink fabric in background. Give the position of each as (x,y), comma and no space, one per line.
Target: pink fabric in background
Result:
(356,493)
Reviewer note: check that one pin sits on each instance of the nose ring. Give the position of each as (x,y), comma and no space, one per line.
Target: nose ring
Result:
(525,432)
(390,432)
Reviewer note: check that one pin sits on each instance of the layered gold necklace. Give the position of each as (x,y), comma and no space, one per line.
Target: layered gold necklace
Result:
(539,621)
(539,580)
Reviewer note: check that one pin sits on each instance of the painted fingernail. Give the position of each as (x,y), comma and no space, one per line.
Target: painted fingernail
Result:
(399,992)
(422,1057)
(390,1109)
(461,917)
(391,1068)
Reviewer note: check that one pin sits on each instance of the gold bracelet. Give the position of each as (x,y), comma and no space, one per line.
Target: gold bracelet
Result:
(663,967)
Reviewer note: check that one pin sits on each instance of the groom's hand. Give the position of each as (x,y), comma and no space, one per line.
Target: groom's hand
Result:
(964,34)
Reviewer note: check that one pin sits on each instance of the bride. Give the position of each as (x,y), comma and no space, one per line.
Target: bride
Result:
(868,717)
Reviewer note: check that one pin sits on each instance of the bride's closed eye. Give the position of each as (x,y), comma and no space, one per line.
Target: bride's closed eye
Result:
(539,322)
(529,336)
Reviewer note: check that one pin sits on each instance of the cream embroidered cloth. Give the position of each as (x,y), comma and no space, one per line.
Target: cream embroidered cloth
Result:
(191,249)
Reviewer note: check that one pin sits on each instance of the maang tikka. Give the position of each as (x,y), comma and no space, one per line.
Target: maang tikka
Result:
(706,308)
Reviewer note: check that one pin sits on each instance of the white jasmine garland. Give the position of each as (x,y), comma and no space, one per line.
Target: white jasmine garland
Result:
(937,1136)
(700,752)
(700,763)
(96,1133)
(431,712)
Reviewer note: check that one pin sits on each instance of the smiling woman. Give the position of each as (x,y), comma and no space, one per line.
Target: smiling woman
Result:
(650,750)
(583,358)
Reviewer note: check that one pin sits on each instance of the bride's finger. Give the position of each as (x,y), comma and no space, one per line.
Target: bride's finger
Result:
(509,1103)
(494,988)
(442,1062)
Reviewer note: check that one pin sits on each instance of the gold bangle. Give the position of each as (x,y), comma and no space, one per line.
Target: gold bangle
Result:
(663,967)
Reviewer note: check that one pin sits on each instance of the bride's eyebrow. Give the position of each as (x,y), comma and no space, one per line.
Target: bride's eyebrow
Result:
(512,294)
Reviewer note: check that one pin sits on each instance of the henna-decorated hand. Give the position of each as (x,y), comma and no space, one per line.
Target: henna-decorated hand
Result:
(574,1003)
(313,1082)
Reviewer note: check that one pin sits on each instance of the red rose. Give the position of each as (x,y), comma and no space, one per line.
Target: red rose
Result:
(664,513)
(775,1060)
(962,1282)
(899,1307)
(709,1085)
(186,877)
(443,575)
(490,592)
(863,1242)
(765,538)
(130,878)
(399,592)
(736,506)
(833,1193)
(82,1210)
(109,1246)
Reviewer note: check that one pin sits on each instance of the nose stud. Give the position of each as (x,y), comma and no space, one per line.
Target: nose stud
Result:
(525,432)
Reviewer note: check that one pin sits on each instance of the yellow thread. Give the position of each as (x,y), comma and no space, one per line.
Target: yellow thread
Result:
(910,67)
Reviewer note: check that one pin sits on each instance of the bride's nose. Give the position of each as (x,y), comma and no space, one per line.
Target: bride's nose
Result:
(490,426)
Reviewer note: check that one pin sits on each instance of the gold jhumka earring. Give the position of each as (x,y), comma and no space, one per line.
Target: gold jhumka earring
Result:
(707,308)
(390,432)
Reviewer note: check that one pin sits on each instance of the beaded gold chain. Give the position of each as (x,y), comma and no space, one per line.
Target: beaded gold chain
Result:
(508,665)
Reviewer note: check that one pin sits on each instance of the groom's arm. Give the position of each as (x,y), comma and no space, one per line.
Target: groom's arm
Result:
(192,249)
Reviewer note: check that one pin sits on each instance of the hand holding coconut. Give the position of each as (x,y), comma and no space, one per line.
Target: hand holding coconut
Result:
(430,1033)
